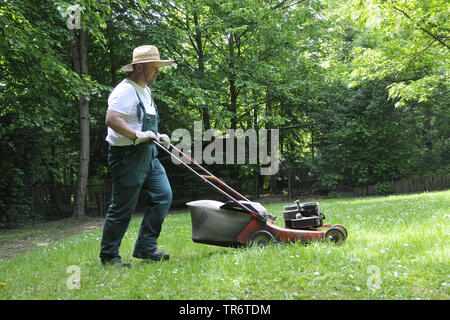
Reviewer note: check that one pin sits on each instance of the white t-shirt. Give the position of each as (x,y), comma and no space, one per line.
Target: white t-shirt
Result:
(123,99)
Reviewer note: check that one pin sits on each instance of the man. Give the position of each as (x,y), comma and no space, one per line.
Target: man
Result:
(132,120)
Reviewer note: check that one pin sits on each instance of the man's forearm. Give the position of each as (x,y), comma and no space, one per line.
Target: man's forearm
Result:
(119,125)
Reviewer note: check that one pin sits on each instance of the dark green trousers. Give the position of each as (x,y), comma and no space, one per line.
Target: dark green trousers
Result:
(135,169)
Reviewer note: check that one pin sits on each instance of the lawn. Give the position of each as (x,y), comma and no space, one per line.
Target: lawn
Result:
(397,248)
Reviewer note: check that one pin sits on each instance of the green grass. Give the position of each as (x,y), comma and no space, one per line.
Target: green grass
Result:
(404,238)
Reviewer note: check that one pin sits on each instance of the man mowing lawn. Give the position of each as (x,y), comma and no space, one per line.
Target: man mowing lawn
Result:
(132,120)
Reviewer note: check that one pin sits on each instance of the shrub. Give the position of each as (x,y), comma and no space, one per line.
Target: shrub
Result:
(383,188)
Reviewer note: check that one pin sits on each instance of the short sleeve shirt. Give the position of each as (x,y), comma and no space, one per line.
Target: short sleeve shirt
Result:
(123,99)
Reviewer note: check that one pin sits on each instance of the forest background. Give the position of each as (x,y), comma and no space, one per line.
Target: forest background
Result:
(358,90)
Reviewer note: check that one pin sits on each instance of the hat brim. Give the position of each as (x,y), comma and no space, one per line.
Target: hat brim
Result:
(159,63)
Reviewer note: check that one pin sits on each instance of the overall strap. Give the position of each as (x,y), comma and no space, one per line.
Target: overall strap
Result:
(153,102)
(139,110)
(139,114)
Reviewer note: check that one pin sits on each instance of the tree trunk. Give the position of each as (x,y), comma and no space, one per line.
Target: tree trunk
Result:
(273,186)
(232,80)
(313,156)
(112,59)
(201,67)
(257,170)
(79,54)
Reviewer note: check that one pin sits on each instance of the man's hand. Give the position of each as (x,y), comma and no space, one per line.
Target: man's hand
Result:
(164,139)
(144,136)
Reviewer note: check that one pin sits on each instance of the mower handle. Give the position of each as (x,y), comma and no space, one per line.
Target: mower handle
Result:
(210,176)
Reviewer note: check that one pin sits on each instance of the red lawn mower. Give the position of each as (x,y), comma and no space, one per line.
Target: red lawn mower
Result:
(241,222)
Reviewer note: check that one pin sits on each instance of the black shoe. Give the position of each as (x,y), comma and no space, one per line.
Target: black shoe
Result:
(154,255)
(115,262)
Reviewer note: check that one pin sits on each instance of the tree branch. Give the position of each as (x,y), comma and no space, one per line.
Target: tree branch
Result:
(437,38)
(285,4)
(413,58)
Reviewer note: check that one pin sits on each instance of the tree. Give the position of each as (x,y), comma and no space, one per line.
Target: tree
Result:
(89,13)
(406,41)
(391,46)
(80,65)
(36,88)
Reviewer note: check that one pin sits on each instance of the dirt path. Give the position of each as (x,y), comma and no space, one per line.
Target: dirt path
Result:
(17,241)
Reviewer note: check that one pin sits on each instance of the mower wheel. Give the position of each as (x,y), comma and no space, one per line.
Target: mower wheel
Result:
(335,235)
(342,228)
(261,238)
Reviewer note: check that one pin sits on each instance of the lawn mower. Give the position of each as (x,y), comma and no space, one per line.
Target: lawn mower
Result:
(240,222)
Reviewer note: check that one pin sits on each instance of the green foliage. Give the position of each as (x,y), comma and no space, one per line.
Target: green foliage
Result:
(383,188)
(358,89)
(14,210)
(403,40)
(328,181)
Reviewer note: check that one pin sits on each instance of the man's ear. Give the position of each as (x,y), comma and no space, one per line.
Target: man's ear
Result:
(137,67)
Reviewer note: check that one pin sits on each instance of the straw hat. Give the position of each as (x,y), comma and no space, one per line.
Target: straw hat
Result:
(144,54)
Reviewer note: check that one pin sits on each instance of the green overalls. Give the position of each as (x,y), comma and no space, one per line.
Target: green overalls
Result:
(136,168)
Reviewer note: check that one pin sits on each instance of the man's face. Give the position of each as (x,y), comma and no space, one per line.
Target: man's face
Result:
(151,72)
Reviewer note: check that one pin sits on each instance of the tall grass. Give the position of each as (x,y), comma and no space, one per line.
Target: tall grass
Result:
(397,248)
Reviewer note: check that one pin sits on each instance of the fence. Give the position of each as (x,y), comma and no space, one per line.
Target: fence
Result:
(438,182)
(57,201)
(54,202)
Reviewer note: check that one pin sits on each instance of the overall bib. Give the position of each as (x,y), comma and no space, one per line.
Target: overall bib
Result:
(135,169)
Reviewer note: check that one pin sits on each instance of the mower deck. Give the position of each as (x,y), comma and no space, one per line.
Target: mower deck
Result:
(216,224)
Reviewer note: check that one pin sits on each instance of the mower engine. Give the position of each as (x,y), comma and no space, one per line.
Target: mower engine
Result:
(303,215)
